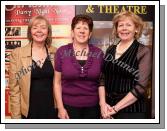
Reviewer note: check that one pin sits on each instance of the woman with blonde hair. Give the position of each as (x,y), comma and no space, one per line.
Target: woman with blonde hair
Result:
(127,69)
(31,74)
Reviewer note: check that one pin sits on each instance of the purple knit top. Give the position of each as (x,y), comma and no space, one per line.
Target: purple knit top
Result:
(79,84)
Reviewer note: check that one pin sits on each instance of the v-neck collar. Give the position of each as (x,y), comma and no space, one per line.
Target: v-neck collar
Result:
(128,49)
(39,60)
(37,65)
(83,70)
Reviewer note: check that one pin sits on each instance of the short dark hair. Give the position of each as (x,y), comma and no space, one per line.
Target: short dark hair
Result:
(83,18)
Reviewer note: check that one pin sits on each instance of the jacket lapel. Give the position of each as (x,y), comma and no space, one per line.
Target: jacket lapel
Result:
(26,58)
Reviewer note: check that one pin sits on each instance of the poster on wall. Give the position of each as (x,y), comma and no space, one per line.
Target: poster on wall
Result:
(19,15)
(103,14)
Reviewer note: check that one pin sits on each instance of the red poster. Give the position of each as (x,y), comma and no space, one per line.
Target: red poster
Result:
(21,14)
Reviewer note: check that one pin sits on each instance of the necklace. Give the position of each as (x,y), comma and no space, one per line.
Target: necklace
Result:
(119,50)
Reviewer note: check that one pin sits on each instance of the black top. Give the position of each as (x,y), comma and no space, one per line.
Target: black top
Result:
(41,91)
(82,62)
(129,73)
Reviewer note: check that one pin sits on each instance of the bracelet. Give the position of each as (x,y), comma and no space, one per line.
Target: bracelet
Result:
(114,109)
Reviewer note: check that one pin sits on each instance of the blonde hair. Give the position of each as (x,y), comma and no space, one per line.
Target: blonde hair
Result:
(48,40)
(135,18)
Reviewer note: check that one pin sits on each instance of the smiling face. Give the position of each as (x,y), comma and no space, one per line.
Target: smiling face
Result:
(81,33)
(39,31)
(126,29)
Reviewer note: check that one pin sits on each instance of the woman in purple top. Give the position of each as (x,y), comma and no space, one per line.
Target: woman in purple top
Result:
(77,71)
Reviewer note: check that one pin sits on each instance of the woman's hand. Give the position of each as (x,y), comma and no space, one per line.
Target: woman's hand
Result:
(62,113)
(112,111)
(105,108)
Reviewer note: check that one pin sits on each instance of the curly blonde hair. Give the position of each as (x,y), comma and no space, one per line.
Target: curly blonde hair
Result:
(139,24)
